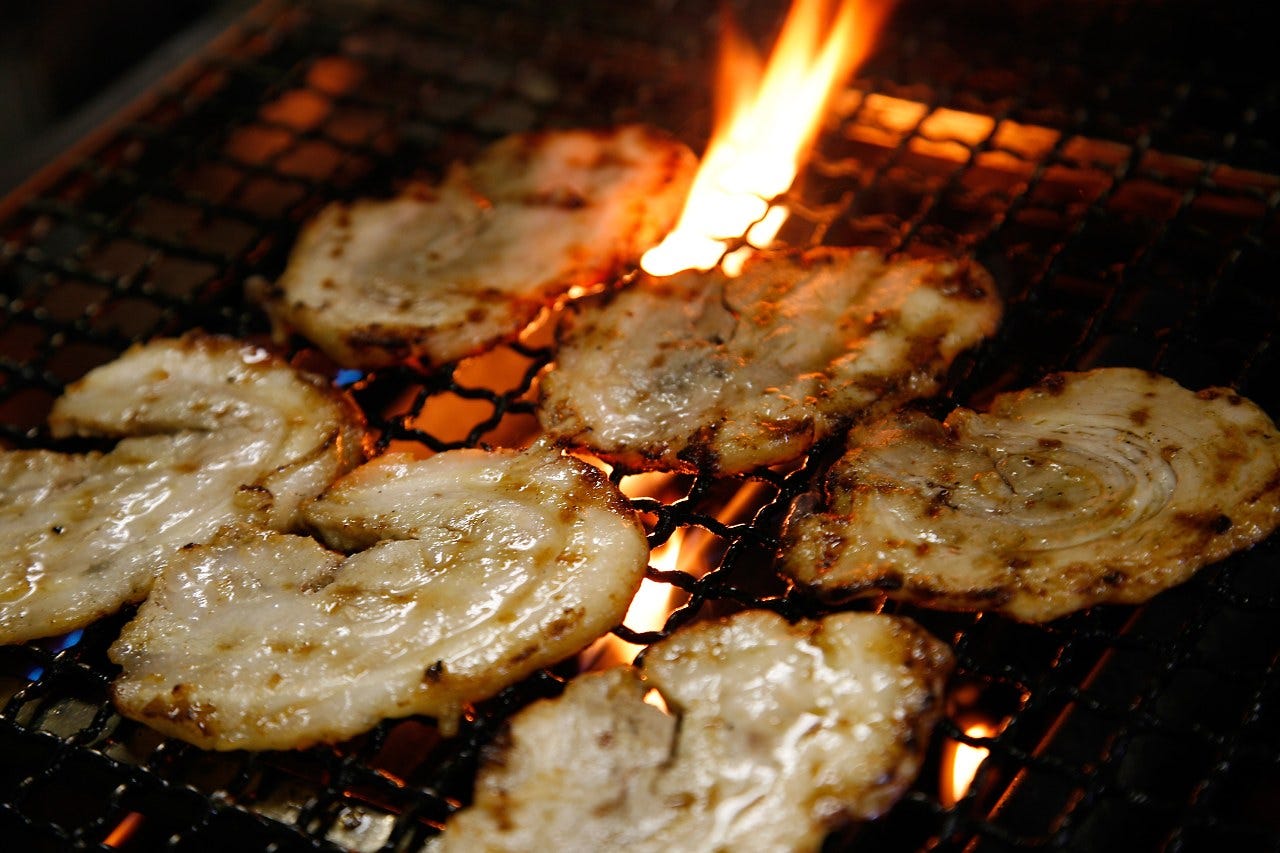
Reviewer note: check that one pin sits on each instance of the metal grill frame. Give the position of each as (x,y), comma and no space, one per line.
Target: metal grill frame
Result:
(1140,228)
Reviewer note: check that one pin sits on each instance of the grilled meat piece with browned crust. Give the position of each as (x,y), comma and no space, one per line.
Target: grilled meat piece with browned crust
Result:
(212,431)
(467,572)
(1106,486)
(776,735)
(444,272)
(699,371)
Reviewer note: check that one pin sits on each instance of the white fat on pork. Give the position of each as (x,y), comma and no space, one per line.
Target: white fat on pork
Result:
(777,734)
(467,571)
(1105,486)
(443,272)
(210,432)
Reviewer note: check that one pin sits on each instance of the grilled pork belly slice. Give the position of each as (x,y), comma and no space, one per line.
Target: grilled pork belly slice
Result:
(1106,486)
(470,571)
(778,733)
(701,371)
(212,431)
(443,272)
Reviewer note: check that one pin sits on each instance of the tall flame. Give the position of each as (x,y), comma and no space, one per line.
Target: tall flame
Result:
(766,120)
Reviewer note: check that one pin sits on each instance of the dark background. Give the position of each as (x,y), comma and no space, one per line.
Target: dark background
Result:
(58,56)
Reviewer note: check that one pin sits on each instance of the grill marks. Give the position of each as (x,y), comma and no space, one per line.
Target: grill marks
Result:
(698,371)
(441,273)
(1057,499)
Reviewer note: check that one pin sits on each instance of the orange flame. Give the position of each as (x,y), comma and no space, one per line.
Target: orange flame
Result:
(960,762)
(648,611)
(766,121)
(687,550)
(124,830)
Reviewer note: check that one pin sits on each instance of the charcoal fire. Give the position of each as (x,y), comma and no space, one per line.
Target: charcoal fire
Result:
(767,118)
(1111,165)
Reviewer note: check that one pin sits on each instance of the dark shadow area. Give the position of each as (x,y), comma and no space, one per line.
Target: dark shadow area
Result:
(57,56)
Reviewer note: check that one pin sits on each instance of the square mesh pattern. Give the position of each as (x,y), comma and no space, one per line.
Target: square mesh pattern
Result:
(1115,166)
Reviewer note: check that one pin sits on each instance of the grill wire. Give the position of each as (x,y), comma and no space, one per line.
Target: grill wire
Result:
(1114,164)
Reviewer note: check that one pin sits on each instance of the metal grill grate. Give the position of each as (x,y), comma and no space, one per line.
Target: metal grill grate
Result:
(1116,166)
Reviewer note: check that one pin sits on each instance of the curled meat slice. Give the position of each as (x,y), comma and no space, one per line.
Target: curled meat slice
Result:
(702,371)
(212,431)
(777,734)
(1106,486)
(470,571)
(443,272)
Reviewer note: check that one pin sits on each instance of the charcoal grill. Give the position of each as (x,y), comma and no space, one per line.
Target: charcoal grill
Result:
(1115,165)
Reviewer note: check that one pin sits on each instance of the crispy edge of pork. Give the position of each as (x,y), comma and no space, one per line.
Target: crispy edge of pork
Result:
(469,572)
(1101,487)
(699,371)
(86,532)
(441,273)
(777,734)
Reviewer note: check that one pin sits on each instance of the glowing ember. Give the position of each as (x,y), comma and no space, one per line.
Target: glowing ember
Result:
(766,121)
(124,830)
(960,762)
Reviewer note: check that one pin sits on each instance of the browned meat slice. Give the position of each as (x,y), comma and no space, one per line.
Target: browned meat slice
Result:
(212,432)
(1106,486)
(444,272)
(701,371)
(777,734)
(469,571)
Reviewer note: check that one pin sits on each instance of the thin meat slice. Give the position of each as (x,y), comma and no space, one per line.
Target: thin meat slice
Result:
(443,272)
(1106,486)
(777,734)
(699,371)
(469,571)
(211,431)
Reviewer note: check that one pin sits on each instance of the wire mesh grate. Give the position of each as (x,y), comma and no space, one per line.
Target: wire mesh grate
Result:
(1122,188)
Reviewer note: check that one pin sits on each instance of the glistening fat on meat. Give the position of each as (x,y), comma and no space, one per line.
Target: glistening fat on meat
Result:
(1106,486)
(777,734)
(467,572)
(211,432)
(700,371)
(443,272)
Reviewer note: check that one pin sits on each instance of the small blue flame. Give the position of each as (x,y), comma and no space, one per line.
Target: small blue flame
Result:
(347,377)
(56,645)
(66,641)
